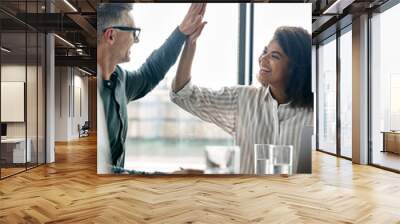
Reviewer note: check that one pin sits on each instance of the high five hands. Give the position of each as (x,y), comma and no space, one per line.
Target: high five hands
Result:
(193,23)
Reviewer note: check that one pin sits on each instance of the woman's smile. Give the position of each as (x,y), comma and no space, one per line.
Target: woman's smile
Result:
(265,70)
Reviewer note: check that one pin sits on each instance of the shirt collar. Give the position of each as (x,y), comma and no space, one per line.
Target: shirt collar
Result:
(118,72)
(111,82)
(268,97)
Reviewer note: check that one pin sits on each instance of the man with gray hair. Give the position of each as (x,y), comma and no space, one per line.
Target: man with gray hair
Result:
(117,87)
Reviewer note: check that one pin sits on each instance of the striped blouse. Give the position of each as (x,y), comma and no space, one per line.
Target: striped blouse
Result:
(250,114)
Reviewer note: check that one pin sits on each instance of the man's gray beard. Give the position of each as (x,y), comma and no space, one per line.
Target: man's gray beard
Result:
(128,59)
(125,59)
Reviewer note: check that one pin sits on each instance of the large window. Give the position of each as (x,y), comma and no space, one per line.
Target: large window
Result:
(346,93)
(327,96)
(335,61)
(385,89)
(162,136)
(314,89)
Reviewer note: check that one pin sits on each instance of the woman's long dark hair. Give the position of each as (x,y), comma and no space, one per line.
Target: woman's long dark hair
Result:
(296,43)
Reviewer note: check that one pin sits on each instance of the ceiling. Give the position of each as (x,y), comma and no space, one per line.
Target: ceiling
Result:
(75,22)
(76,25)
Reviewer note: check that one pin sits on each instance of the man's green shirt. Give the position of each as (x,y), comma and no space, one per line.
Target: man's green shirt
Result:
(125,86)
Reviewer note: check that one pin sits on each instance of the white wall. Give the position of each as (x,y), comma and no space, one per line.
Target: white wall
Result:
(80,96)
(33,126)
(70,83)
(61,103)
(15,73)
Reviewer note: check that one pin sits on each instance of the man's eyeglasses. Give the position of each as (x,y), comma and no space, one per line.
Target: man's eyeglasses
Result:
(134,30)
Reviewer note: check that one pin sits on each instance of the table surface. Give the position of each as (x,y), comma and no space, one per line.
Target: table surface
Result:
(390,132)
(13,140)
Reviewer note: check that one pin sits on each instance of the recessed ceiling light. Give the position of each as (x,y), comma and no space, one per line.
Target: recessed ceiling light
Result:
(338,6)
(64,40)
(88,73)
(71,6)
(5,50)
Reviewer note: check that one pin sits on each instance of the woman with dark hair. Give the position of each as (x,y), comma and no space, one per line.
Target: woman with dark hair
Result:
(274,113)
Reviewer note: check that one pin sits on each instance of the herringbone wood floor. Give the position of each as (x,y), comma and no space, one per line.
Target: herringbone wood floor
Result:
(69,191)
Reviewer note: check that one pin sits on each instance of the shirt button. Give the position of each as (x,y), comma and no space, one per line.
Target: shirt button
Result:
(108,83)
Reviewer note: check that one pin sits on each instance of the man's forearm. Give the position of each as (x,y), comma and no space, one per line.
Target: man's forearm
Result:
(162,59)
(140,82)
(183,74)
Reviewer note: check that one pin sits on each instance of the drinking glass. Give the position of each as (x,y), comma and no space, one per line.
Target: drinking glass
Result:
(222,159)
(273,159)
(282,159)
